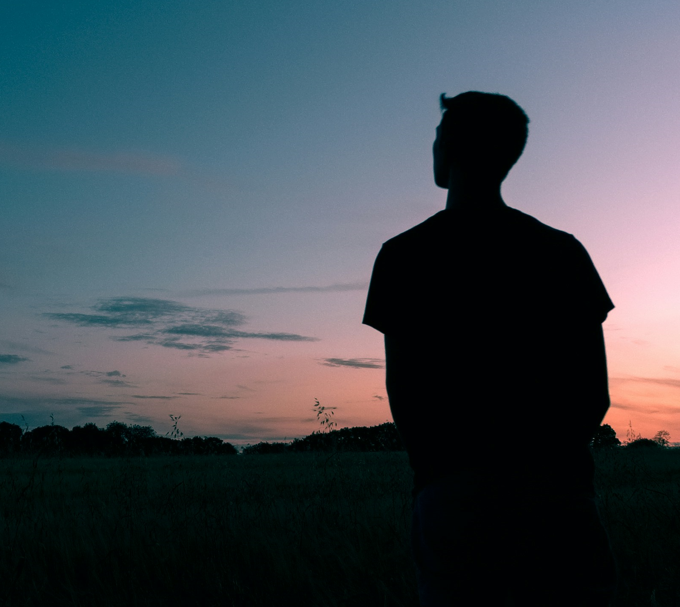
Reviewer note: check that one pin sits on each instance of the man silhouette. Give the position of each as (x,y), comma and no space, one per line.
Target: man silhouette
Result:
(497,380)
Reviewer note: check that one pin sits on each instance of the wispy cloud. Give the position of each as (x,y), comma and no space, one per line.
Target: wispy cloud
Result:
(117,383)
(648,409)
(11,359)
(22,347)
(109,378)
(143,396)
(39,404)
(350,286)
(97,411)
(55,381)
(138,419)
(356,363)
(114,373)
(46,158)
(124,312)
(170,324)
(662,381)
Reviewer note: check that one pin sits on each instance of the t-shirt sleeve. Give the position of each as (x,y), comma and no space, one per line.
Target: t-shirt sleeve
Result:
(381,301)
(590,298)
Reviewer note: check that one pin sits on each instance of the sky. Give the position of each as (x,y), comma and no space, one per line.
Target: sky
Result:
(192,195)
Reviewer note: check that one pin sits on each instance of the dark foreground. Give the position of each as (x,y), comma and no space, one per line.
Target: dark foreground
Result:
(293,529)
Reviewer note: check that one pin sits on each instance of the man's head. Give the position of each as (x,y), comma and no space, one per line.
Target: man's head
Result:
(481,134)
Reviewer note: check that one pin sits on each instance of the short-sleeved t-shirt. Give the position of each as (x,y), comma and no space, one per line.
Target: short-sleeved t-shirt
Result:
(491,300)
(472,264)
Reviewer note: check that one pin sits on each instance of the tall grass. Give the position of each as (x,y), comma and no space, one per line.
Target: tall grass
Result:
(294,529)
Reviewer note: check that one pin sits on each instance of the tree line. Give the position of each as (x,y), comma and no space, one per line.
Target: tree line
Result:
(116,439)
(119,439)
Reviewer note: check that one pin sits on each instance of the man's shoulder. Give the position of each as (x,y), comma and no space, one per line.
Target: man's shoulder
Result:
(530,225)
(423,231)
(509,220)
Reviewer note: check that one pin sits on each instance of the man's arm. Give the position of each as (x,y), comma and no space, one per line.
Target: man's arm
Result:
(589,369)
(408,378)
(397,380)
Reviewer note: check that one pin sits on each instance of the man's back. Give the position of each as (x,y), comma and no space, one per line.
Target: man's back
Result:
(497,379)
(491,312)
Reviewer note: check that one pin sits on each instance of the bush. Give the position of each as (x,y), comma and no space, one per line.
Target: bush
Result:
(643,443)
(605,438)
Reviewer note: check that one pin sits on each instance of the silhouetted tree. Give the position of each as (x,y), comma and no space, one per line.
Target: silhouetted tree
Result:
(45,440)
(141,440)
(662,438)
(87,440)
(605,438)
(117,437)
(266,448)
(141,432)
(643,443)
(376,438)
(206,445)
(631,436)
(10,438)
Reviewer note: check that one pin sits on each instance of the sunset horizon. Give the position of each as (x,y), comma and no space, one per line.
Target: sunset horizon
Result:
(193,199)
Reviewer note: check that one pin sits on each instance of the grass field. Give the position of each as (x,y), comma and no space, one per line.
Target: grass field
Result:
(293,529)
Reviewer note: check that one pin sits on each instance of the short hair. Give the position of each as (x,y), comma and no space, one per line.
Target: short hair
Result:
(483,131)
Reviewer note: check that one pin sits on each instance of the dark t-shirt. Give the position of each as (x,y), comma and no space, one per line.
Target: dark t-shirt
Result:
(491,304)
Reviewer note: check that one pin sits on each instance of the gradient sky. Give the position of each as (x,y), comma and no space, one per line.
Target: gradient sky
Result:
(193,194)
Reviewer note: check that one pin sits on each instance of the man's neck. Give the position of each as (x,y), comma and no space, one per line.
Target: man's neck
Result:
(474,195)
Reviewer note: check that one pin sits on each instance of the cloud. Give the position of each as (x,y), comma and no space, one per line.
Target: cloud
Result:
(11,359)
(43,403)
(334,288)
(378,397)
(199,331)
(356,363)
(170,324)
(87,320)
(189,393)
(97,411)
(124,312)
(141,396)
(648,409)
(55,381)
(171,343)
(139,337)
(117,383)
(80,160)
(662,381)
(66,367)
(278,336)
(15,345)
(78,400)
(104,377)
(140,419)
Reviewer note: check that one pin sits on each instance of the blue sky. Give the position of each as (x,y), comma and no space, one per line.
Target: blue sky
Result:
(230,170)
